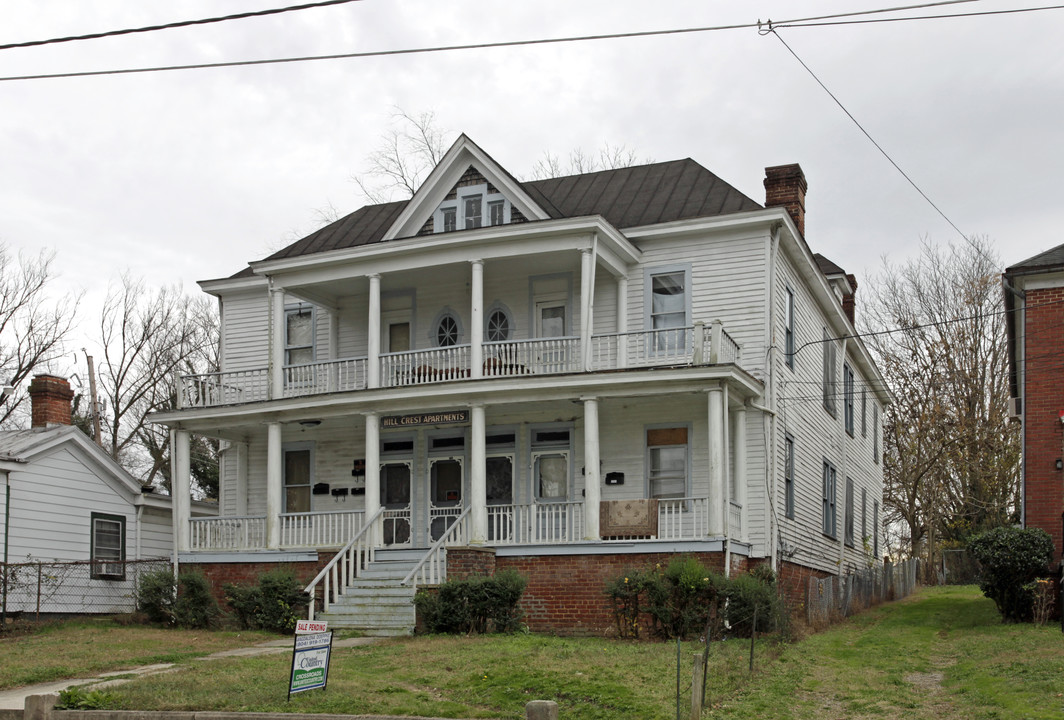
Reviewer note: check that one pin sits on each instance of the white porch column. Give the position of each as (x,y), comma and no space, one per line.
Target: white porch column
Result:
(373,341)
(274,484)
(181,486)
(373,469)
(478,476)
(717,507)
(277,339)
(738,437)
(592,481)
(241,451)
(622,322)
(334,348)
(476,320)
(586,293)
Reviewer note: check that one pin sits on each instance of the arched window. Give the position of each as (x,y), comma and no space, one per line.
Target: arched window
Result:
(448,331)
(499,325)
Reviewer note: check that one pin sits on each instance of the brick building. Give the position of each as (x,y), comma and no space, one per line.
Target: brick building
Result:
(1034,297)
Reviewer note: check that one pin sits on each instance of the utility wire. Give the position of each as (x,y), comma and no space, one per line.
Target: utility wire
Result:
(168,26)
(771,29)
(801,24)
(469,46)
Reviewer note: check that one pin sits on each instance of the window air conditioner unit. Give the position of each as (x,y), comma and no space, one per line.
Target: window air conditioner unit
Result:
(1015,407)
(109,570)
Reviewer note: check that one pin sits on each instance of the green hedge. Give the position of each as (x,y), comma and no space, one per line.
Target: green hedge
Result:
(1011,559)
(275,603)
(478,604)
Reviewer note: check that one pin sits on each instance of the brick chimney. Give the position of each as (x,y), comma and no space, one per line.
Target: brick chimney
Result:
(50,398)
(848,299)
(785,187)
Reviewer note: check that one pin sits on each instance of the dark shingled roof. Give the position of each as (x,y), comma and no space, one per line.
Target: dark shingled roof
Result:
(625,197)
(826,266)
(1047,260)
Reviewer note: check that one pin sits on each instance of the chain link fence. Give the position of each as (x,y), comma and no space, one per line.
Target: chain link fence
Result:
(32,589)
(841,596)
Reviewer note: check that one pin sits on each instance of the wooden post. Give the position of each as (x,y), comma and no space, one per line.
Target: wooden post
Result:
(696,688)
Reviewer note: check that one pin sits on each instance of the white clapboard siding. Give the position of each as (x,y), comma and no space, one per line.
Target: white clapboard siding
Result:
(247,330)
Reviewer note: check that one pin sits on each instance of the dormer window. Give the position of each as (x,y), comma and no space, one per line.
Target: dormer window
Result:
(470,207)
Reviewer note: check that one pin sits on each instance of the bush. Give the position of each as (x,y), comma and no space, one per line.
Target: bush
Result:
(625,593)
(187,604)
(478,604)
(274,604)
(749,593)
(680,600)
(195,606)
(1011,559)
(156,596)
(78,698)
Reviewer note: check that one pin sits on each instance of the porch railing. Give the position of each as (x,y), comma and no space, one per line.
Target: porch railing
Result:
(323,377)
(246,532)
(421,367)
(540,356)
(538,523)
(223,388)
(432,568)
(345,566)
(735,519)
(683,518)
(319,529)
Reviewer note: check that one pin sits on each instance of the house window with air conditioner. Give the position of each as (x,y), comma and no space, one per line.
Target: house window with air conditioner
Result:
(108,547)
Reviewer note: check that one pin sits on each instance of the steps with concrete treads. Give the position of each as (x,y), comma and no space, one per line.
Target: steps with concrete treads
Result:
(376,603)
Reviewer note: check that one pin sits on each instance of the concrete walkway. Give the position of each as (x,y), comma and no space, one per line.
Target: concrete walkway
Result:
(15,699)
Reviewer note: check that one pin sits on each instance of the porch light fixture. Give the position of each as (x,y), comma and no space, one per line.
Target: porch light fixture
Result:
(309,423)
(1060,464)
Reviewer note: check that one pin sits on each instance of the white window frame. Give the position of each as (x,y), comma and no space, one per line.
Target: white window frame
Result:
(457,205)
(848,380)
(434,337)
(648,485)
(848,514)
(297,447)
(113,566)
(829,500)
(788,476)
(648,297)
(498,307)
(299,309)
(831,372)
(546,449)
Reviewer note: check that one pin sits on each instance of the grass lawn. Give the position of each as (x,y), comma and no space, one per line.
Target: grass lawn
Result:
(940,654)
(83,647)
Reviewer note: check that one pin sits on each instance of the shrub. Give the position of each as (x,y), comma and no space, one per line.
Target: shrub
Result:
(680,600)
(625,593)
(274,604)
(750,593)
(1011,559)
(78,698)
(156,596)
(477,604)
(195,606)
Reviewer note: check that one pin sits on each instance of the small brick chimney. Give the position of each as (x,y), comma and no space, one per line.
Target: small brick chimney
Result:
(50,398)
(785,187)
(848,300)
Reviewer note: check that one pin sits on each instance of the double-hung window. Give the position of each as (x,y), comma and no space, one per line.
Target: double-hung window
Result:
(875,433)
(299,335)
(847,398)
(471,206)
(298,476)
(788,476)
(828,525)
(550,463)
(788,329)
(108,546)
(830,371)
(667,462)
(875,528)
(668,308)
(864,412)
(474,211)
(864,518)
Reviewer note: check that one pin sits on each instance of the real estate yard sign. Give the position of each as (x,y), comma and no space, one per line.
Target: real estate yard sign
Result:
(310,662)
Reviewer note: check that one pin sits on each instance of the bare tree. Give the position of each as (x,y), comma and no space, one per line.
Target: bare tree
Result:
(951,457)
(147,337)
(609,157)
(33,325)
(407,152)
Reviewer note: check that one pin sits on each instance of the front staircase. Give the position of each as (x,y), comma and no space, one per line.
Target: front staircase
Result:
(377,603)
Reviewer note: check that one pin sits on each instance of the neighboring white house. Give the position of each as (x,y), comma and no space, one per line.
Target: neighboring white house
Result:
(632,362)
(62,498)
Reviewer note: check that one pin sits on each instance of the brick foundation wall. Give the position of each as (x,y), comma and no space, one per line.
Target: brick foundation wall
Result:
(793,582)
(220,574)
(565,593)
(1043,401)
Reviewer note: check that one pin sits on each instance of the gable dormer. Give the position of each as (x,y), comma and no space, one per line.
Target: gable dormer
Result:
(466,190)
(472,203)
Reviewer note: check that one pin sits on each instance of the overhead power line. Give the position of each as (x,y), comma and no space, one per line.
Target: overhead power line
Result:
(179,24)
(474,46)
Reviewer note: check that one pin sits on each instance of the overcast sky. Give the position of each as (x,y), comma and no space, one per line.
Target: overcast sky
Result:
(188,175)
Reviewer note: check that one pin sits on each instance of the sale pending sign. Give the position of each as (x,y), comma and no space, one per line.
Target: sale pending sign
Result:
(310,662)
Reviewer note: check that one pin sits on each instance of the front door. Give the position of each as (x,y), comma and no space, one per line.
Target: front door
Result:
(445,495)
(551,315)
(395,499)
